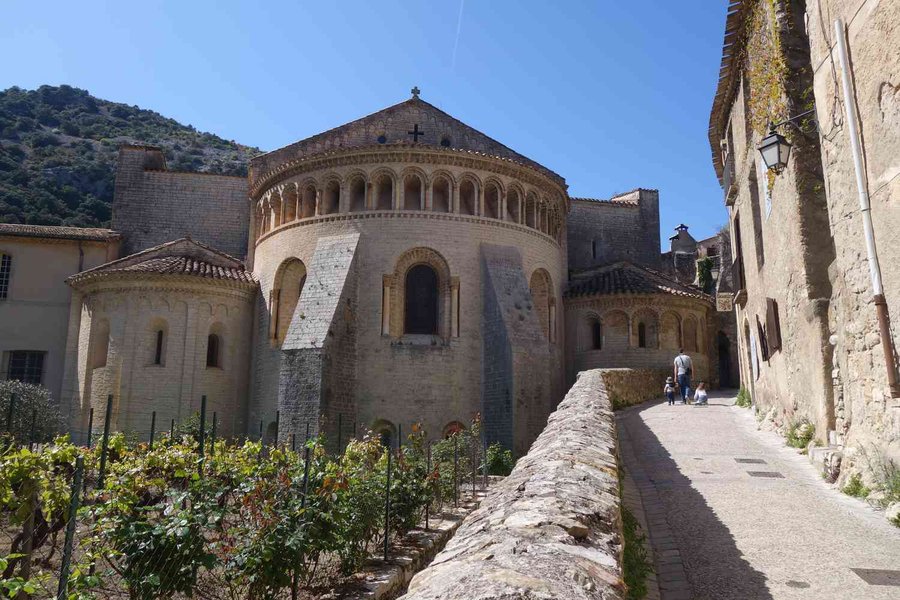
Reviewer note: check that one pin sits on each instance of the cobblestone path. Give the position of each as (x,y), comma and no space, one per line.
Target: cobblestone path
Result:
(733,513)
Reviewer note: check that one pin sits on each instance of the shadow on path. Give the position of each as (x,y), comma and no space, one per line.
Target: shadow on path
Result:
(694,552)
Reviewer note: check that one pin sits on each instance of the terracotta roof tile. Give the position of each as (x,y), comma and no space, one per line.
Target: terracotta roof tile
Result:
(179,258)
(57,232)
(628,278)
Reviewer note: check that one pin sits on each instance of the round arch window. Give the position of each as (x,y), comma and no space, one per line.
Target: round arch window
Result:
(421,301)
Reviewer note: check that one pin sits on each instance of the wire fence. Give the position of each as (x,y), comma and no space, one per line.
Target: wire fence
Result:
(186,513)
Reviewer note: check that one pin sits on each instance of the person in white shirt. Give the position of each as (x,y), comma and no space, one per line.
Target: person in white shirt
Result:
(700,397)
(683,370)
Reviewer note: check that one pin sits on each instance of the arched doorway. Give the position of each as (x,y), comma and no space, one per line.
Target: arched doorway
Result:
(724,345)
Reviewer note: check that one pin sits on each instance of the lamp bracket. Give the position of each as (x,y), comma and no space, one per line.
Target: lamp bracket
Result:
(790,121)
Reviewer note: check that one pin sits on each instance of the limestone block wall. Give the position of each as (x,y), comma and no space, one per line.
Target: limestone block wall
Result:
(626,387)
(779,232)
(152,206)
(671,322)
(552,529)
(116,354)
(865,414)
(606,231)
(403,379)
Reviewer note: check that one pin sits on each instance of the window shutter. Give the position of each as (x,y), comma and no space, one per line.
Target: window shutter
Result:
(737,273)
(763,342)
(773,325)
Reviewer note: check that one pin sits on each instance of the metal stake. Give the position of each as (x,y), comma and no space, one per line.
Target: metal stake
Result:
(427,479)
(455,469)
(277,426)
(387,506)
(202,440)
(104,448)
(340,426)
(212,442)
(152,428)
(62,588)
(90,427)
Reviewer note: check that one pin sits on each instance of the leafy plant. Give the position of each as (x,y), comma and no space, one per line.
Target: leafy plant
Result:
(499,460)
(855,487)
(34,418)
(635,562)
(800,434)
(743,398)
(704,274)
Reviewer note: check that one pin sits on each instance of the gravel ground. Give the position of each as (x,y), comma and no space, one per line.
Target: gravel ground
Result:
(743,537)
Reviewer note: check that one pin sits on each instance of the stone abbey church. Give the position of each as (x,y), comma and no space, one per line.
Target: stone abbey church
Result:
(400,268)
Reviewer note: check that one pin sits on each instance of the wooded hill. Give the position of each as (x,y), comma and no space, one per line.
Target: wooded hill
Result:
(58,148)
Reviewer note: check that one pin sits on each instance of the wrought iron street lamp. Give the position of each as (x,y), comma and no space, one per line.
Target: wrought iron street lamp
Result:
(774,148)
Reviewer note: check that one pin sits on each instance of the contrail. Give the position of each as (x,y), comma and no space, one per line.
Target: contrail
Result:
(462,3)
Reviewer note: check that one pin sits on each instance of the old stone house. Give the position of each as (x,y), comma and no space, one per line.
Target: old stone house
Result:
(397,269)
(812,346)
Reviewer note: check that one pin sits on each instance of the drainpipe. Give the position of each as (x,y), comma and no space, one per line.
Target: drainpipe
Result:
(865,209)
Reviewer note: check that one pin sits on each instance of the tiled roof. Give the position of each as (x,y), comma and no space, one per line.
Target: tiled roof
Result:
(179,258)
(731,52)
(56,232)
(628,278)
(185,265)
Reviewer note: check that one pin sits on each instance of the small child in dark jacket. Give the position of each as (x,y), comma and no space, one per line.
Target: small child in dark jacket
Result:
(670,390)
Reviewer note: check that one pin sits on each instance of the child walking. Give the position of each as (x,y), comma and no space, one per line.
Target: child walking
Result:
(700,397)
(670,390)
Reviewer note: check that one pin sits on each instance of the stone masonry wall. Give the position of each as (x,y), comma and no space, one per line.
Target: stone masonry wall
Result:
(622,230)
(152,206)
(867,418)
(316,377)
(626,387)
(552,528)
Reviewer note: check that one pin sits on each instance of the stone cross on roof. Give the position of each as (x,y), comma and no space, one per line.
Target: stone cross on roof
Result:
(415,92)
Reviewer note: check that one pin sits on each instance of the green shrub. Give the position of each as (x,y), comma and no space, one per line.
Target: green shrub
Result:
(635,563)
(743,398)
(800,434)
(35,415)
(855,487)
(499,460)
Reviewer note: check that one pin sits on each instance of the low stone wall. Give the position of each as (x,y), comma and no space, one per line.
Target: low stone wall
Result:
(552,529)
(633,386)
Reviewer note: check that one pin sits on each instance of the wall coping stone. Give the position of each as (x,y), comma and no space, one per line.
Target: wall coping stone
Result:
(552,529)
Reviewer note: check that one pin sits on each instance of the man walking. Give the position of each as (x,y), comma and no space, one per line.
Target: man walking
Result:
(684,368)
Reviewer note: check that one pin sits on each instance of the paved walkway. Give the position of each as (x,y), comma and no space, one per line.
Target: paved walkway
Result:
(720,532)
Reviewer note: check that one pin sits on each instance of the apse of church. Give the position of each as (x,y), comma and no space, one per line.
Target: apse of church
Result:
(402,268)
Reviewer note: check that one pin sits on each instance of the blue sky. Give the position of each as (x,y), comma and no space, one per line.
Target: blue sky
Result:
(611,95)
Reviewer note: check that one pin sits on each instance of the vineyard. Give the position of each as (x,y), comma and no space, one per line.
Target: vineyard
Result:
(191,515)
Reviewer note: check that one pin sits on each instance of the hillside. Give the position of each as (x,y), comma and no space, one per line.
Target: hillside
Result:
(58,149)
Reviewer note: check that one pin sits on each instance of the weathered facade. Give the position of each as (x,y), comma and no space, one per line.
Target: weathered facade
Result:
(34,301)
(402,268)
(810,343)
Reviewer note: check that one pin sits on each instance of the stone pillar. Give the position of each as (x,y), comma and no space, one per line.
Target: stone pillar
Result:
(429,196)
(421,195)
(502,208)
(454,307)
(454,198)
(479,204)
(386,305)
(320,193)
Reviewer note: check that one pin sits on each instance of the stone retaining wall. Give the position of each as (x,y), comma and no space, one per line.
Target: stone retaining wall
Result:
(626,387)
(552,529)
